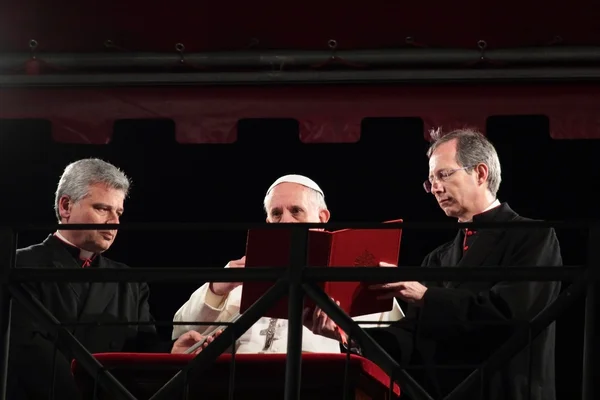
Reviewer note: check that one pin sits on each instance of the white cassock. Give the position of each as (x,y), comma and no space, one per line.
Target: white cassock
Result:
(267,335)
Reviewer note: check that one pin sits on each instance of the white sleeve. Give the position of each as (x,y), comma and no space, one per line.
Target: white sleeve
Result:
(395,314)
(205,306)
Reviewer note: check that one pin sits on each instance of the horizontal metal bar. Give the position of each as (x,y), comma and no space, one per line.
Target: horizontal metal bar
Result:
(314,274)
(409,367)
(164,275)
(298,59)
(152,323)
(403,322)
(420,225)
(457,274)
(416,76)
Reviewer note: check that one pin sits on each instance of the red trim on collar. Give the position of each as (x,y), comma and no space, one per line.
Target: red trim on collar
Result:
(86,261)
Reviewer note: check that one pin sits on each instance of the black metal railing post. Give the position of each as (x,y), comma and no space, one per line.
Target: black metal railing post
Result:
(88,362)
(591,349)
(7,257)
(206,357)
(523,335)
(293,365)
(377,354)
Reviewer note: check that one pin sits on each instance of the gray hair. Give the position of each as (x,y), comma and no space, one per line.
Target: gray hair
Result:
(472,148)
(78,176)
(315,198)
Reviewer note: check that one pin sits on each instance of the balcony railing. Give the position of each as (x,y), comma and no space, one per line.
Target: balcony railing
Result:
(297,281)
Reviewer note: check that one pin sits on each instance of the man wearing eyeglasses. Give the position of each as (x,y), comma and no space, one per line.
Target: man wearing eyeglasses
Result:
(464,177)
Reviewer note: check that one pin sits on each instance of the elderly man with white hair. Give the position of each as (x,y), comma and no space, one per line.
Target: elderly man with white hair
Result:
(291,198)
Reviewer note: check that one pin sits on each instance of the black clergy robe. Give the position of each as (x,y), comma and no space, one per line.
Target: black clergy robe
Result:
(463,304)
(32,352)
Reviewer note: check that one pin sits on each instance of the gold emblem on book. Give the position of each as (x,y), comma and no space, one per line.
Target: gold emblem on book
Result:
(366,259)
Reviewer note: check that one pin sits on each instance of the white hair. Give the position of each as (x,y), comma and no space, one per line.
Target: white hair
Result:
(78,176)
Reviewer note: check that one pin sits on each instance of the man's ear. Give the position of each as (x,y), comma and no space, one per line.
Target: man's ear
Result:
(482,172)
(324,216)
(64,207)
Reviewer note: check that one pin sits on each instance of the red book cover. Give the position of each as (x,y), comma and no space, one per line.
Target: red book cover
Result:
(343,248)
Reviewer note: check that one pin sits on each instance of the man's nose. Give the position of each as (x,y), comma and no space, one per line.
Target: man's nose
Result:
(287,217)
(436,187)
(113,219)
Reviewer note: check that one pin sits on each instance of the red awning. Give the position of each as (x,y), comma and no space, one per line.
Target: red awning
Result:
(325,114)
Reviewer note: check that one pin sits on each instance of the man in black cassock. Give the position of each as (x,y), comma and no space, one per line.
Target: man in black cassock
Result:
(464,177)
(90,191)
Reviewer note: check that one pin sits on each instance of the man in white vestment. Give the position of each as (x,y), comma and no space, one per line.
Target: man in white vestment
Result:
(291,198)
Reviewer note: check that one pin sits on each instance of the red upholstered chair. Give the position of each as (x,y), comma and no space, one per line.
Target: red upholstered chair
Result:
(257,376)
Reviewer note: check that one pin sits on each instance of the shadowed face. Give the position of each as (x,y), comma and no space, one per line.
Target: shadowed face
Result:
(102,205)
(291,202)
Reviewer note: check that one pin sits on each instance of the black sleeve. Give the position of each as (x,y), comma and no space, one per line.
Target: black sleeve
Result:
(504,301)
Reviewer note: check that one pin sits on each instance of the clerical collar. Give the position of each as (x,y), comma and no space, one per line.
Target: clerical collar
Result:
(487,214)
(495,203)
(83,254)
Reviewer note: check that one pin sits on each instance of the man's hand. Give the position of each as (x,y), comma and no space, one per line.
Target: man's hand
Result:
(223,288)
(189,339)
(411,292)
(320,324)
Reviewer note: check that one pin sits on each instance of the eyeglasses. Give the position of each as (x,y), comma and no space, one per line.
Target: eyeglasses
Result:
(441,176)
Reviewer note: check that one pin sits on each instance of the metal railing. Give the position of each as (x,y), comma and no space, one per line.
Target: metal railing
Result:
(409,65)
(298,281)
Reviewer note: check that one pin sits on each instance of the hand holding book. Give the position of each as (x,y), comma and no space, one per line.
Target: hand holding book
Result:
(193,342)
(223,288)
(411,292)
(209,337)
(319,323)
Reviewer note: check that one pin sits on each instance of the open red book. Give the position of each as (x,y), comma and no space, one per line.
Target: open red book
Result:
(343,248)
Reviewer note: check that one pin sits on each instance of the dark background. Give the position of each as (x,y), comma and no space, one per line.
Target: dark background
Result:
(376,179)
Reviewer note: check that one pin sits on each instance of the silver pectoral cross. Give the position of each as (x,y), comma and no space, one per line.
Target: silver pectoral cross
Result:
(269,333)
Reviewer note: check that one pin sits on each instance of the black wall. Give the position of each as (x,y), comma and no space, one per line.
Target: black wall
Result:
(377,179)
